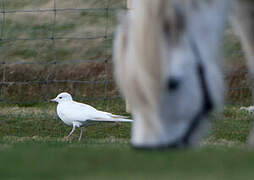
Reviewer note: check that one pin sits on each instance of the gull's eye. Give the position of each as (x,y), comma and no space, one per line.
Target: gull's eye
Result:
(60,97)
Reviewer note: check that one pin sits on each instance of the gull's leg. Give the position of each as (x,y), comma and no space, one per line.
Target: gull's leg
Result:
(81,133)
(73,129)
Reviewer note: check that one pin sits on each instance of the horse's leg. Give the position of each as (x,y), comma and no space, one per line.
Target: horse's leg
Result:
(243,22)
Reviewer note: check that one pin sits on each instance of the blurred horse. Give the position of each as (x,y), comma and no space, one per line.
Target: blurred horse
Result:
(167,59)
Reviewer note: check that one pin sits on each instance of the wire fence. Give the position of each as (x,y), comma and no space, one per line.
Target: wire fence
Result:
(51,46)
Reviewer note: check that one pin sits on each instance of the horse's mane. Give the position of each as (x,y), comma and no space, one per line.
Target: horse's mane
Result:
(142,44)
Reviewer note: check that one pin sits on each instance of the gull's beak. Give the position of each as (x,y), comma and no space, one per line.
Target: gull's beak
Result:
(53,100)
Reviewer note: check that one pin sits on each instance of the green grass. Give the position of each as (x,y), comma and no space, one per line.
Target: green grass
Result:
(234,125)
(32,144)
(93,160)
(32,147)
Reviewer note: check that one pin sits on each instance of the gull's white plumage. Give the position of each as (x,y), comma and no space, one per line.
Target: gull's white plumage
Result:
(78,114)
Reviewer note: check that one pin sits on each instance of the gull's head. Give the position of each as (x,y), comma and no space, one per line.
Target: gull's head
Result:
(62,97)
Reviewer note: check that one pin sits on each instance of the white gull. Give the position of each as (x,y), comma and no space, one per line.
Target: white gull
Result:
(78,115)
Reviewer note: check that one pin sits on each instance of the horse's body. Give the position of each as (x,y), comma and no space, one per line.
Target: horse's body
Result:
(167,59)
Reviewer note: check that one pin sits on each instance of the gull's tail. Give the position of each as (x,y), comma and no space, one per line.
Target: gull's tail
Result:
(117,116)
(123,120)
(111,120)
(114,116)
(109,117)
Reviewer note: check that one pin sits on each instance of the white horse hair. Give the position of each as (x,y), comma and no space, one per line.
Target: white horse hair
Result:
(167,65)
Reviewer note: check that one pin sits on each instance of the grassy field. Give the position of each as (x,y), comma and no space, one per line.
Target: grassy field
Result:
(32,146)
(32,143)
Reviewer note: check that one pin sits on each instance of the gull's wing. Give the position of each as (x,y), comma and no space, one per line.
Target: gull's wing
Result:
(73,111)
(101,114)
(82,105)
